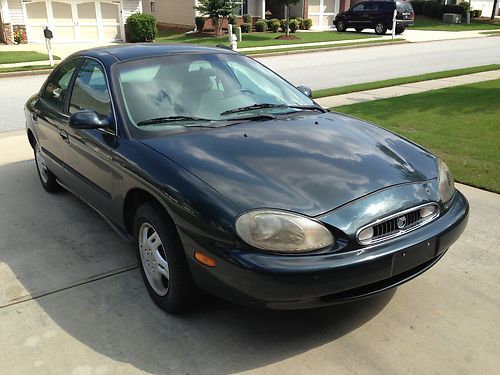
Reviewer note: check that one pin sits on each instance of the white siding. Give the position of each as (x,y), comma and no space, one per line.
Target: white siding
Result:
(485,5)
(130,7)
(16,12)
(176,12)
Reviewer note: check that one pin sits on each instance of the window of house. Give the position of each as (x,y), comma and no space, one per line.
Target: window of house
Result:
(240,7)
(152,6)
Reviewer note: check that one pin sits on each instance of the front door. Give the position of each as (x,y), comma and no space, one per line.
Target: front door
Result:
(87,152)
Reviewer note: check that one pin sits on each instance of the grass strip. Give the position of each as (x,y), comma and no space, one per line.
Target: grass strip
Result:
(403,80)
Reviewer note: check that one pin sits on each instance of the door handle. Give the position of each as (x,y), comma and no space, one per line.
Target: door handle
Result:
(64,135)
(34,117)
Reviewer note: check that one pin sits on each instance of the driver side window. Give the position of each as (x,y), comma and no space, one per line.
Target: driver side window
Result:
(57,85)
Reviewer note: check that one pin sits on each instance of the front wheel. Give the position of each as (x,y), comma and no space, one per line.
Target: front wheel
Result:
(400,30)
(162,262)
(380,28)
(341,26)
(47,178)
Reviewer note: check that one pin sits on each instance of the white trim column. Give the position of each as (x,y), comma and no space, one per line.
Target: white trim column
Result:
(263,9)
(4,9)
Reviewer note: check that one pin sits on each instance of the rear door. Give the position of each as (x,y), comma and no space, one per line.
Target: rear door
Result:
(49,118)
(356,15)
(87,152)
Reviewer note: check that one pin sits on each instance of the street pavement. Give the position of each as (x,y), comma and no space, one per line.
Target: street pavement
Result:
(317,70)
(72,302)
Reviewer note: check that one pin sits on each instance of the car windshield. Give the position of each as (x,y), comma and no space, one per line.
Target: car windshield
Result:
(193,90)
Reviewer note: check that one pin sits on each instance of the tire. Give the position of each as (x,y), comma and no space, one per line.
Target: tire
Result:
(341,26)
(380,28)
(359,29)
(400,30)
(162,261)
(47,178)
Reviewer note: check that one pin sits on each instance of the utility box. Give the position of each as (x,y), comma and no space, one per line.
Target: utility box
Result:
(452,18)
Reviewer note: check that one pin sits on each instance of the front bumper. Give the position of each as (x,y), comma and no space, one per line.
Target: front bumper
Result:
(295,282)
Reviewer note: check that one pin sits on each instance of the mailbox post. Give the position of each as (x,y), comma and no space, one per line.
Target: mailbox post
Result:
(48,36)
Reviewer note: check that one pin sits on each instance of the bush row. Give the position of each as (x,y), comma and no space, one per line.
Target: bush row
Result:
(262,25)
(435,9)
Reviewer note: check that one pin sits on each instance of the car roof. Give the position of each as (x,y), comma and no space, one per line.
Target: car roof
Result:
(132,51)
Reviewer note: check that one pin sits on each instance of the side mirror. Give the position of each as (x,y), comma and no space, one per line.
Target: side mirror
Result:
(306,91)
(88,119)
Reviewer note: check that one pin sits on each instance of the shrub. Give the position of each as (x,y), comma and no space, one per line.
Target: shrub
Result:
(275,25)
(456,9)
(307,24)
(270,23)
(231,19)
(200,23)
(140,27)
(283,24)
(260,25)
(301,22)
(432,9)
(466,5)
(247,18)
(294,25)
(246,28)
(477,13)
(418,6)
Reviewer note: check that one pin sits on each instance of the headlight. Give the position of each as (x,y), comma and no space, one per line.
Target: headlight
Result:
(274,230)
(446,184)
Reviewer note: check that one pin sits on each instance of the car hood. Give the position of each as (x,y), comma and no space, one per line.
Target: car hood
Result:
(308,164)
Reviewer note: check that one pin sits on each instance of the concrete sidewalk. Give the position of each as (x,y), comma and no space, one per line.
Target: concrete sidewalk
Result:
(406,89)
(73,302)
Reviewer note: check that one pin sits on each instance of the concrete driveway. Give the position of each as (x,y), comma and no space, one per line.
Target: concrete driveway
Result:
(72,302)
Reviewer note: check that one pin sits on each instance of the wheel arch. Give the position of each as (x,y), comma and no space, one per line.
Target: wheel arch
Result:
(31,138)
(135,198)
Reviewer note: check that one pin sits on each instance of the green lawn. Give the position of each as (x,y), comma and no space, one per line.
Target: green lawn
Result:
(459,124)
(403,80)
(255,39)
(25,68)
(22,56)
(425,23)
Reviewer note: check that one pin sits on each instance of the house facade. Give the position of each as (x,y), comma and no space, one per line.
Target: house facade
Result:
(486,6)
(181,12)
(69,20)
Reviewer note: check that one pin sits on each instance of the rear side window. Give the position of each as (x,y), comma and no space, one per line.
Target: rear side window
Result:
(57,85)
(386,6)
(373,7)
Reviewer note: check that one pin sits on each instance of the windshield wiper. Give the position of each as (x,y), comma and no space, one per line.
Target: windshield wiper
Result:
(308,108)
(270,105)
(252,107)
(162,120)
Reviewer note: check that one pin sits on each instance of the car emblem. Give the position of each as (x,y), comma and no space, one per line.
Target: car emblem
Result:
(401,222)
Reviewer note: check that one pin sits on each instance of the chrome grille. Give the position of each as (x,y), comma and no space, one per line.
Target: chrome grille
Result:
(398,224)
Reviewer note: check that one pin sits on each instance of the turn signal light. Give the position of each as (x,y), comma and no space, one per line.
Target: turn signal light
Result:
(204,259)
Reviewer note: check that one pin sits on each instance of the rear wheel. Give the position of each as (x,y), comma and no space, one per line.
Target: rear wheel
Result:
(359,29)
(47,178)
(400,30)
(380,28)
(341,26)
(162,262)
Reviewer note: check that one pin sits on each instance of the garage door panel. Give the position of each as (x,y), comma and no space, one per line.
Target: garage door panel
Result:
(111,32)
(86,13)
(62,13)
(36,13)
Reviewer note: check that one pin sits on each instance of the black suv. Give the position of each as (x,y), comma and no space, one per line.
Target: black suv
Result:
(376,15)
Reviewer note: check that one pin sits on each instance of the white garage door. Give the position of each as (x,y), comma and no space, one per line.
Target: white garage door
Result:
(73,20)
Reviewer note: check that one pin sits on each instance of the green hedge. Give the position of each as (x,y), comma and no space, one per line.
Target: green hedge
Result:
(260,25)
(246,28)
(434,9)
(140,27)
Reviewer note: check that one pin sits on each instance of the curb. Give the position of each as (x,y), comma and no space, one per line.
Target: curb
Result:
(21,73)
(325,49)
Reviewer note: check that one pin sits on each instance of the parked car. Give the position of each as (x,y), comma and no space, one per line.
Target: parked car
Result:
(376,15)
(229,179)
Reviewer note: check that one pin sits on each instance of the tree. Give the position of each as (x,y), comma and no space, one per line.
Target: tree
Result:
(215,10)
(287,4)
(495,2)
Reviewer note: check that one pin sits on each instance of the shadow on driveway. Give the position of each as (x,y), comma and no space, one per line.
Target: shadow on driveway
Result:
(55,247)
